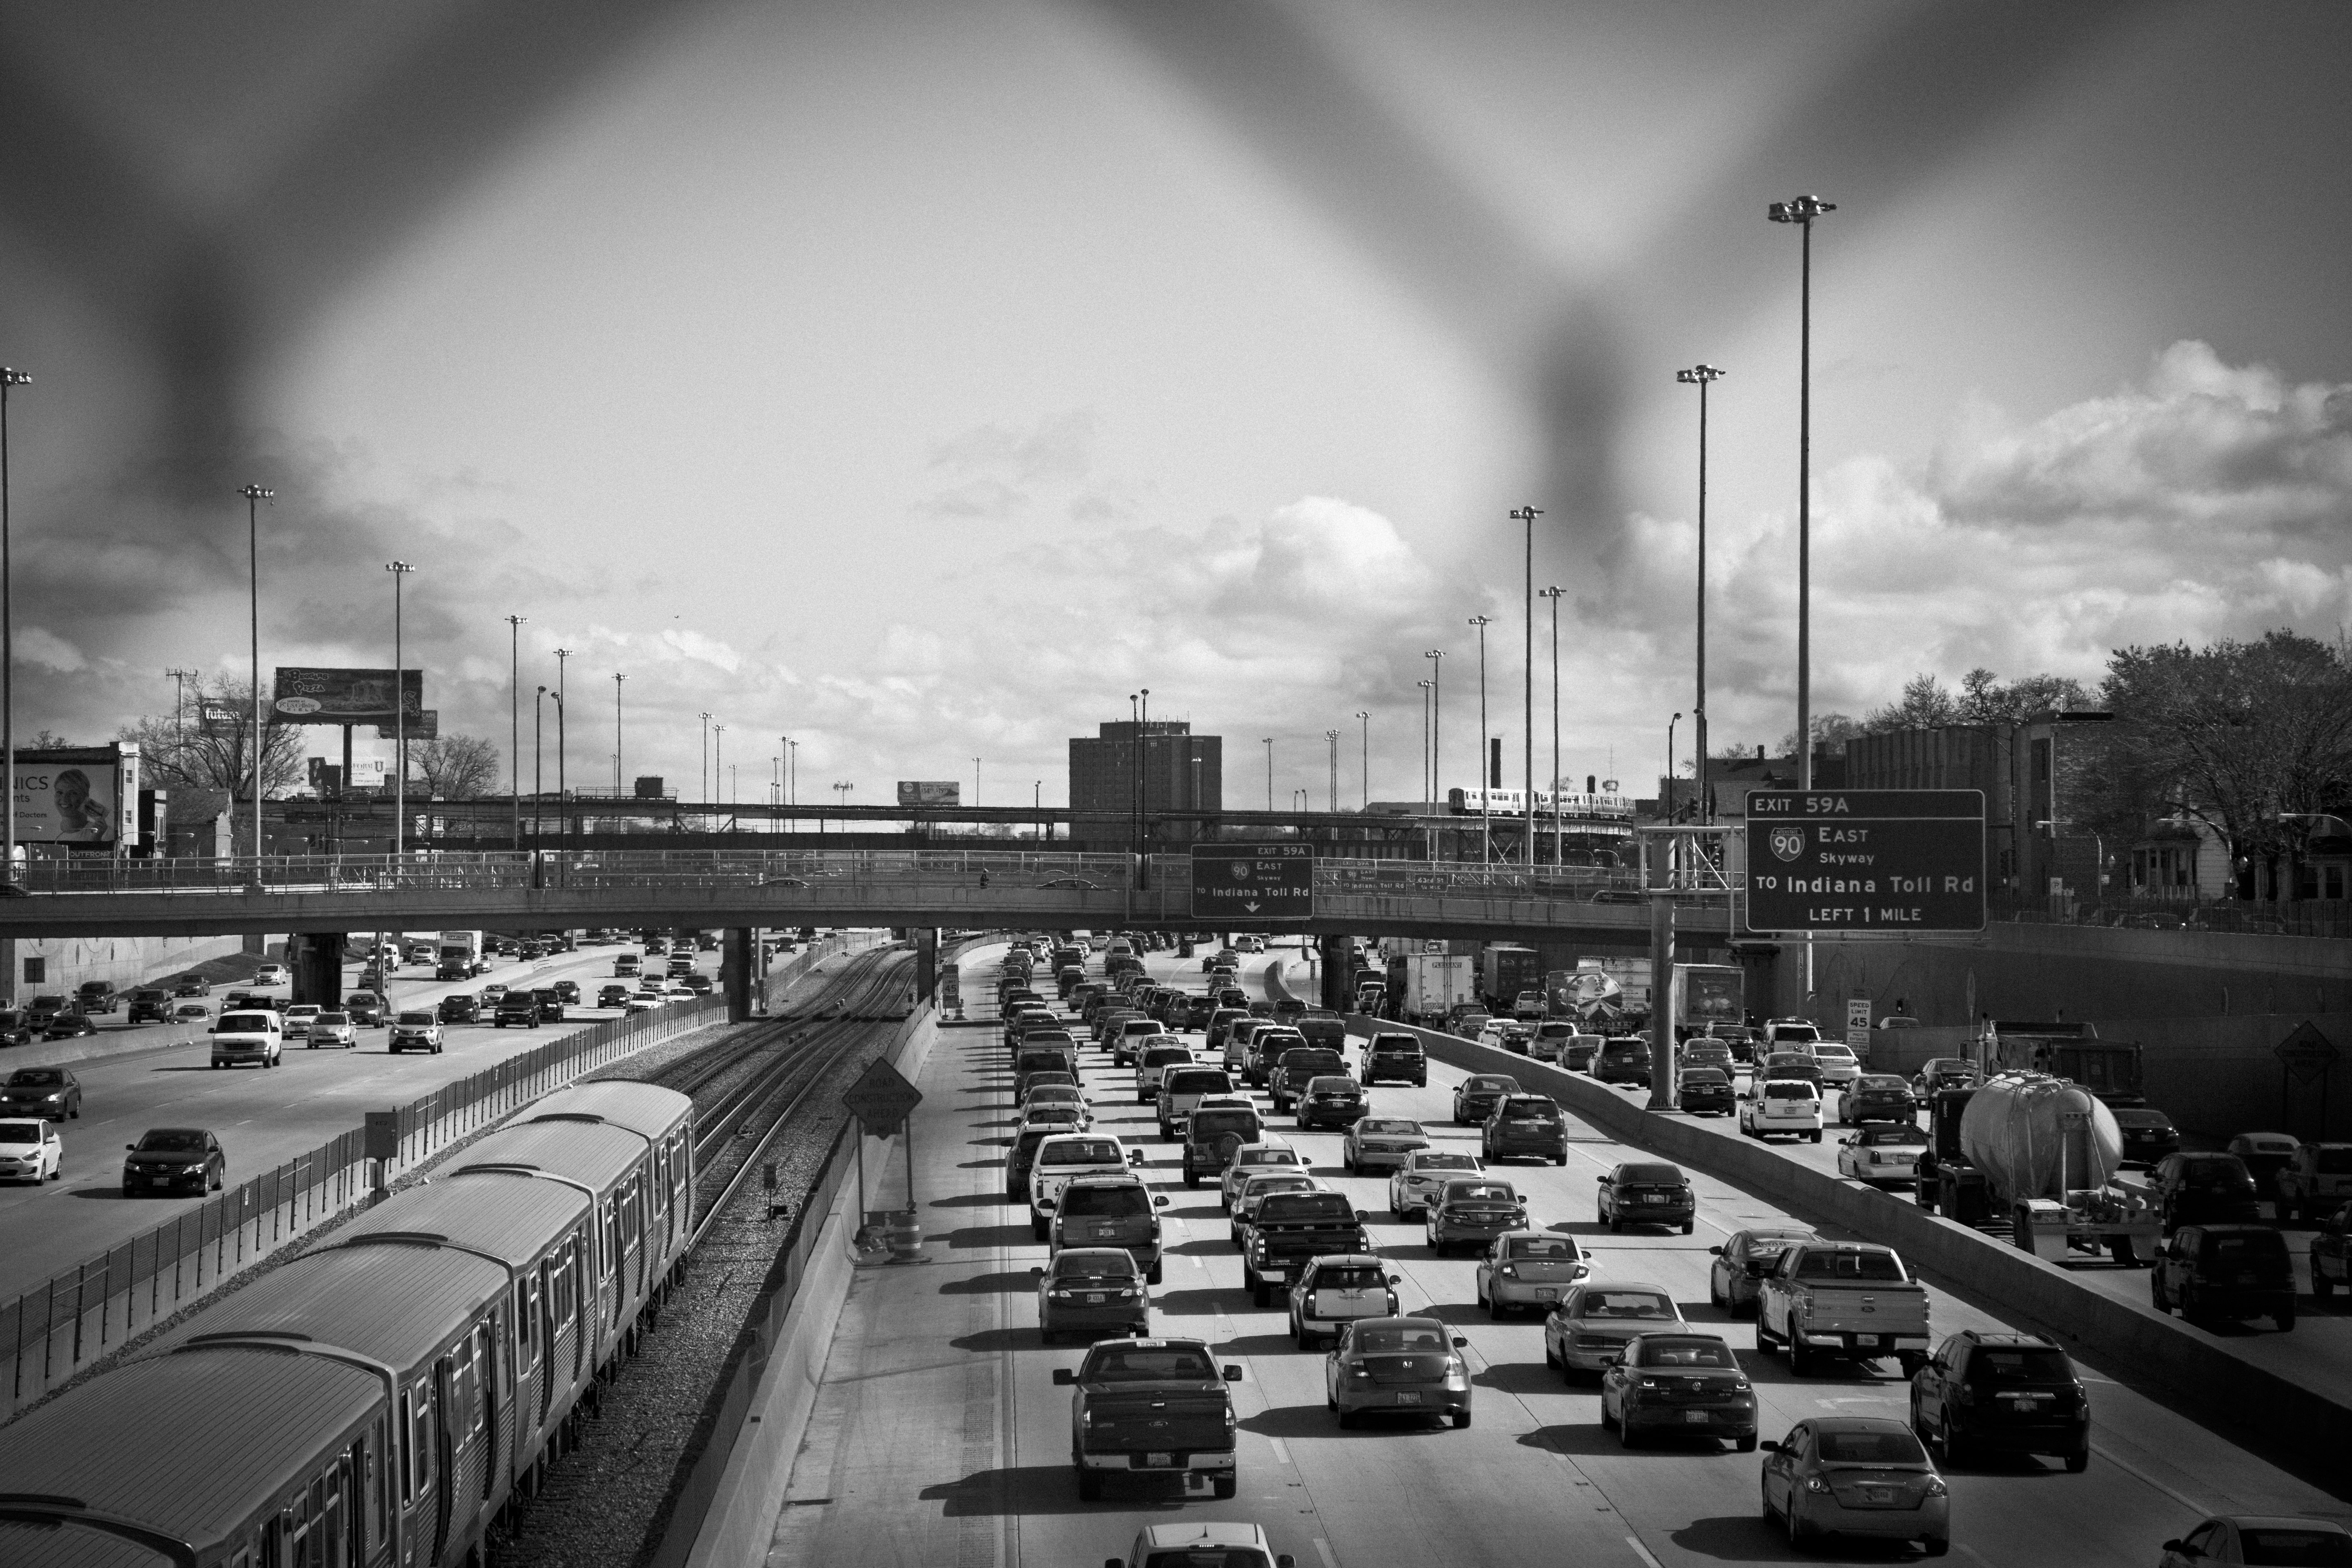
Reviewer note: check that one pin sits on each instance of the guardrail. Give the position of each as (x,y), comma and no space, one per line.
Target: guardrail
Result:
(57,1329)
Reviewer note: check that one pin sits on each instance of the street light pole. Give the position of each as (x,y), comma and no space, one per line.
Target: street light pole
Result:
(975,783)
(1700,376)
(1333,736)
(514,719)
(254,495)
(562,796)
(703,789)
(1428,805)
(1553,594)
(717,741)
(1268,741)
(12,377)
(1528,514)
(1485,784)
(180,678)
(399,569)
(538,787)
(1364,718)
(617,678)
(1667,805)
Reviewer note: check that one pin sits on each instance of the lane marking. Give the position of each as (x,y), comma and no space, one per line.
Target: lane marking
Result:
(1642,1552)
(1323,1550)
(1974,1553)
(2109,1455)
(1281,1449)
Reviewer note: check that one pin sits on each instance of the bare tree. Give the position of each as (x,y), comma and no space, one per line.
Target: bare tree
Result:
(212,747)
(456,767)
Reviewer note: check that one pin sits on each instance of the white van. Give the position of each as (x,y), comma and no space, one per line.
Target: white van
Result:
(254,1036)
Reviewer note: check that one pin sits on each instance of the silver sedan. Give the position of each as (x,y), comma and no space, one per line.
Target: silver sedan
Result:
(1381,1144)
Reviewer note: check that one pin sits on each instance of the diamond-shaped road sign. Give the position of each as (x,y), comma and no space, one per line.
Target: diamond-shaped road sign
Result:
(881,1098)
(2307,1053)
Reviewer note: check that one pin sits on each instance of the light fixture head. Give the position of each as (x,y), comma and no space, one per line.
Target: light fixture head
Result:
(1804,210)
(10,376)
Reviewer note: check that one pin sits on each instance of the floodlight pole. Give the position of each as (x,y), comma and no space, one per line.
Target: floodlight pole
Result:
(254,495)
(1528,514)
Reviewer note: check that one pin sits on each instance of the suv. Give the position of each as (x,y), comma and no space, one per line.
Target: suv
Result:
(1525,1125)
(1788,1105)
(518,1007)
(253,1035)
(1267,1043)
(1157,1060)
(414,1030)
(1336,1288)
(1396,1055)
(2314,1182)
(1297,1066)
(1181,1088)
(1212,1136)
(2233,1271)
(2011,1394)
(1622,1060)
(366,1008)
(550,1004)
(1110,1211)
(151,1004)
(2201,1188)
(1061,1160)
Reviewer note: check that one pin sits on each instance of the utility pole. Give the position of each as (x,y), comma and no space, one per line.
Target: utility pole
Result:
(617,678)
(1702,376)
(1553,594)
(1486,773)
(1333,737)
(400,569)
(1364,718)
(1528,514)
(254,495)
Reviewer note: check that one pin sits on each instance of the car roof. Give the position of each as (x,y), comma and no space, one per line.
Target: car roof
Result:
(1349,1259)
(1174,1537)
(1104,1253)
(1858,1423)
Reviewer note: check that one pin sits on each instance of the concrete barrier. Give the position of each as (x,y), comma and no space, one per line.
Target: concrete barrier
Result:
(2154,1349)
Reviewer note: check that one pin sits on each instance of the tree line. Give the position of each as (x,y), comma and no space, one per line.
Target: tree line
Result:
(190,751)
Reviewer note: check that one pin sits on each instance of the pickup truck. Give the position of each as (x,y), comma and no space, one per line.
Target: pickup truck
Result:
(1300,1065)
(1266,1045)
(1059,1160)
(1394,1055)
(1842,1298)
(1180,1089)
(2314,1182)
(1151,1408)
(1322,1027)
(1289,1228)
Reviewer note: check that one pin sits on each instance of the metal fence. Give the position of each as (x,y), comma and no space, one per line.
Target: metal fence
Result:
(2317,917)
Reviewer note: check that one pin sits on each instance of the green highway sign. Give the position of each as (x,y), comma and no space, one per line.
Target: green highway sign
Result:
(1237,886)
(1865,860)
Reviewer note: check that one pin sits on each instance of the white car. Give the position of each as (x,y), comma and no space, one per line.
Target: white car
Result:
(272,974)
(1424,1175)
(1180,1545)
(31,1152)
(1157,1060)
(1256,1160)
(1839,1065)
(249,1036)
(646,1001)
(333,1029)
(1881,1152)
(297,1019)
(1550,1037)
(415,1030)
(1783,1106)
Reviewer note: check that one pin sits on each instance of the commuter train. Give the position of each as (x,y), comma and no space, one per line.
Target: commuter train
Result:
(1514,803)
(375,1401)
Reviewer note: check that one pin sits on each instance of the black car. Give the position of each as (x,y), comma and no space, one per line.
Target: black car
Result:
(2149,1134)
(1394,1055)
(192,985)
(550,1004)
(253,1001)
(1877,1096)
(151,1004)
(1475,1100)
(366,1008)
(51,1093)
(2204,1188)
(2225,1271)
(2000,1392)
(1333,1100)
(68,1026)
(18,1028)
(460,1007)
(614,995)
(569,990)
(1647,1191)
(518,1007)
(700,982)
(173,1159)
(1707,1092)
(1525,1126)
(95,996)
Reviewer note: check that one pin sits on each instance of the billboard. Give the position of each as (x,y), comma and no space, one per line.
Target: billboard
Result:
(424,726)
(307,696)
(78,795)
(929,792)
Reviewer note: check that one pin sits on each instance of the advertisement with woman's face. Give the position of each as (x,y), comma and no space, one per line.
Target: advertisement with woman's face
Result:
(66,802)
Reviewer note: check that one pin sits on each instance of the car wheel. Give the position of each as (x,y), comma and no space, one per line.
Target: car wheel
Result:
(1158,1269)
(1348,1419)
(127,1192)
(2322,1287)
(1766,1342)
(1262,1293)
(1495,1311)
(1461,1420)
(1746,1445)
(2078,1461)
(1552,1356)
(1800,1357)
(1615,1227)
(2284,1318)
(1687,1226)
(1608,1422)
(1936,1546)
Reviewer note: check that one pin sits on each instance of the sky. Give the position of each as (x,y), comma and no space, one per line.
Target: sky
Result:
(917,381)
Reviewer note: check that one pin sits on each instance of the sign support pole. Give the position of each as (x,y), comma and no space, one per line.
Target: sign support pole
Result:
(1664,1087)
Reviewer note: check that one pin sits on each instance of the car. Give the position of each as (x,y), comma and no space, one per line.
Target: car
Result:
(1424,1175)
(1254,1190)
(17,1028)
(1646,1192)
(333,1029)
(1507,1035)
(192,985)
(1043,1078)
(1475,1097)
(614,996)
(31,1151)
(1331,1100)
(2199,1186)
(1881,1152)
(1257,1159)
(1744,1259)
(1839,1065)
(1471,1211)
(1625,1060)
(414,1029)
(150,1005)
(1549,1036)
(1334,1290)
(701,983)
(550,1002)
(1579,1052)
(1525,1127)
(1707,1092)
(646,1001)
(46,1007)
(253,1001)
(70,1025)
(1397,1366)
(1702,1052)
(1944,1072)
(1069,1094)
(1780,1033)
(459,1007)
(676,990)
(170,1159)
(2330,1269)
(189,1012)
(249,1036)
(519,1008)
(1379,1144)
(1156,1060)
(1683,1385)
(2224,1272)
(1899,1021)
(1782,1107)
(95,996)
(2148,1134)
(567,990)
(296,1020)
(1469,1025)
(1062,1160)
(273,975)
(1089,1291)
(2264,1155)
(1525,1270)
(1224,1545)
(1856,1475)
(1877,1096)
(54,1094)
(2258,1538)
(1799,1066)
(1595,1320)
(2001,1393)
(493,994)
(367,1009)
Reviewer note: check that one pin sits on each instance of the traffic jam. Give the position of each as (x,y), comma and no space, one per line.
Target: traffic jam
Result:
(1379,1205)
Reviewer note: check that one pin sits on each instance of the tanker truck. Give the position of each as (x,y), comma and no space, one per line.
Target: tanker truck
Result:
(2041,1153)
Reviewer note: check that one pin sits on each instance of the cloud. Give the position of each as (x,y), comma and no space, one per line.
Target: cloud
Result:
(1002,467)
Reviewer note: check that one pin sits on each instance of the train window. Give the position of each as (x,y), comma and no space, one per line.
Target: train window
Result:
(407,1468)
(526,1317)
(367,1524)
(330,1553)
(481,1376)
(612,1247)
(416,1460)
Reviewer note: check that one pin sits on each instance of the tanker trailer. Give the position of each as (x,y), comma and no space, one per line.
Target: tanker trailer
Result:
(2048,1149)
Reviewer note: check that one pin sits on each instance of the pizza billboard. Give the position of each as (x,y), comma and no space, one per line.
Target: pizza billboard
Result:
(311,696)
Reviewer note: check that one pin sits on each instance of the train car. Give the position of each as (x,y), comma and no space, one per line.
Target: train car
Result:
(374,1402)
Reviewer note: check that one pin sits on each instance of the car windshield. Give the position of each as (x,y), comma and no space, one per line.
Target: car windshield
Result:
(1054,1094)
(1216,1124)
(1485,1085)
(1139,1364)
(1551,1249)
(1479,1193)
(1900,1137)
(2225,1172)
(257,1022)
(1685,1353)
(1350,1277)
(1387,1127)
(332,1018)
(1647,1305)
(1541,1110)
(1331,1086)
(35,1077)
(1200,1081)
(1081,1151)
(1259,1186)
(1892,1447)
(1841,1264)
(1834,1052)
(173,1142)
(20,1132)
(1992,1363)
(1445,1162)
(1401,1338)
(1712,1078)
(1270,1156)
(1160,1056)
(1120,1202)
(1292,1208)
(1395,1043)
(1790,1092)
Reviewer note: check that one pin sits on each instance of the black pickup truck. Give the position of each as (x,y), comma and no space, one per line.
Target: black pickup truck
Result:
(1287,1230)
(1294,1067)
(1150,1408)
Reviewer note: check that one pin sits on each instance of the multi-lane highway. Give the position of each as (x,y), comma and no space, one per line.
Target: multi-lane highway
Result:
(939,1434)
(262,1118)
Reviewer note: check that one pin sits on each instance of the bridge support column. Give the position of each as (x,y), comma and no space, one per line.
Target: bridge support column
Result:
(927,962)
(1333,950)
(735,972)
(316,959)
